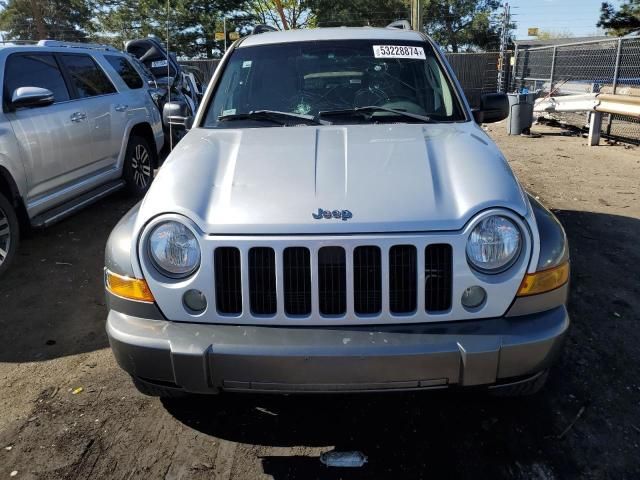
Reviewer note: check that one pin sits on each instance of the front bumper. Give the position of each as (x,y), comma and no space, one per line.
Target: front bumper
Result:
(209,358)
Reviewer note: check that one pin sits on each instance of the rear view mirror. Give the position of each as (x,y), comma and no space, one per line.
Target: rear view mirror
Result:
(493,108)
(31,97)
(177,114)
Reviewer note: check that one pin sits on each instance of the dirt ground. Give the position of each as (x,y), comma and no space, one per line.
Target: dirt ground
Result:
(585,424)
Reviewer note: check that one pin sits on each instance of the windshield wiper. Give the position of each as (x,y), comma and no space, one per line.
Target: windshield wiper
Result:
(272,116)
(371,109)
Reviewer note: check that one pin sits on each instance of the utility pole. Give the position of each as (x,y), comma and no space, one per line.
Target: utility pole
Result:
(224,28)
(416,15)
(504,40)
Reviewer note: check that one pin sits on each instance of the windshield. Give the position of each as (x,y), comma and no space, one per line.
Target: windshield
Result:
(312,78)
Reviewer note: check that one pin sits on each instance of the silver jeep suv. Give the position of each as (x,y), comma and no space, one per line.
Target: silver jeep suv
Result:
(337,220)
(77,123)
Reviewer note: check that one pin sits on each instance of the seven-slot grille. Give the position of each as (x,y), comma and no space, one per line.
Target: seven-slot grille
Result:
(341,279)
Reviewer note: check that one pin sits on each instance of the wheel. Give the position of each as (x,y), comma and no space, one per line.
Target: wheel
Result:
(139,162)
(153,390)
(9,233)
(522,389)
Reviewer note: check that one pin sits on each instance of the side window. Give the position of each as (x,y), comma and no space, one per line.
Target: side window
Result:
(34,70)
(86,76)
(126,71)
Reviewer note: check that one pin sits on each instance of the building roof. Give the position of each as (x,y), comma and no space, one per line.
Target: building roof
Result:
(340,33)
(556,41)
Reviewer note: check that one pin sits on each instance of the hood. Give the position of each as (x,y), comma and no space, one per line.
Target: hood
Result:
(391,178)
(152,53)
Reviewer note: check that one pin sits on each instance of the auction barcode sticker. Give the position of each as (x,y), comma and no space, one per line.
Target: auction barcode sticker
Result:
(398,51)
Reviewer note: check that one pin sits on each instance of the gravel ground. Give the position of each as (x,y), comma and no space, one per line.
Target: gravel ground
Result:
(585,424)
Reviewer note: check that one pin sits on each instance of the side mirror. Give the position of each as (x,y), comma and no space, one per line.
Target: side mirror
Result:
(177,114)
(31,97)
(493,108)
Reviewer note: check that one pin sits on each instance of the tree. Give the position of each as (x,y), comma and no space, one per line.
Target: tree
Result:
(620,22)
(332,13)
(40,19)
(117,21)
(281,14)
(455,24)
(192,24)
(463,24)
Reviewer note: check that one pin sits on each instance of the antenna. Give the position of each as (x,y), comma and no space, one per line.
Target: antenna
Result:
(168,76)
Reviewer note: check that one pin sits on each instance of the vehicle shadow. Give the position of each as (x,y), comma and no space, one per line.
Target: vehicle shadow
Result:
(470,434)
(416,434)
(52,297)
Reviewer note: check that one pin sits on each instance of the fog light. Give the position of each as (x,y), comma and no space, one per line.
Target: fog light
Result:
(195,301)
(473,297)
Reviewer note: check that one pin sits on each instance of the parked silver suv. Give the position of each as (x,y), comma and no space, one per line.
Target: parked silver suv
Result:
(337,220)
(77,123)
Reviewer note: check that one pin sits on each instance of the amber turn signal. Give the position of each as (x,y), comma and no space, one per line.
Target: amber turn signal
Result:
(129,288)
(544,281)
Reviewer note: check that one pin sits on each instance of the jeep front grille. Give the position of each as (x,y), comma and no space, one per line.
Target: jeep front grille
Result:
(367,280)
(402,278)
(262,281)
(228,281)
(438,277)
(297,281)
(332,281)
(361,280)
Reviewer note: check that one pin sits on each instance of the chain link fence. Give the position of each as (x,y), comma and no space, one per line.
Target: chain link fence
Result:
(602,66)
(205,66)
(477,73)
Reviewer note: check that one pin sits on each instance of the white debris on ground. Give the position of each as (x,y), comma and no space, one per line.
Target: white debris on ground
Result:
(343,459)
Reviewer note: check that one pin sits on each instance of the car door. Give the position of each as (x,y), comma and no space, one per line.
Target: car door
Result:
(100,103)
(133,100)
(52,138)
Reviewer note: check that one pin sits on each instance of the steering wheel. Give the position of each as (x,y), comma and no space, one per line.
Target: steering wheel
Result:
(369,96)
(400,98)
(305,103)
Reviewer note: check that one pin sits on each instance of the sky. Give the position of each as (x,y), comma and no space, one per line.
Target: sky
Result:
(576,16)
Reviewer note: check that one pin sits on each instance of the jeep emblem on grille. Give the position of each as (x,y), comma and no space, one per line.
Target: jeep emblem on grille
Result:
(328,214)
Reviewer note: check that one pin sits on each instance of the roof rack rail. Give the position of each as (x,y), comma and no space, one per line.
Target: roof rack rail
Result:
(94,46)
(18,42)
(262,28)
(400,24)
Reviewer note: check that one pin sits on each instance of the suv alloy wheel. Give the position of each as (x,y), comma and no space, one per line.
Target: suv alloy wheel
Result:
(139,164)
(9,233)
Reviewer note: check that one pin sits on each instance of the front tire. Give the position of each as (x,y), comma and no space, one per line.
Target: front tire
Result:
(9,233)
(139,163)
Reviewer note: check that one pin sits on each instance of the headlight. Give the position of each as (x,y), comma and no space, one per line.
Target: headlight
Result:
(494,244)
(174,249)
